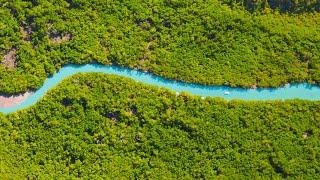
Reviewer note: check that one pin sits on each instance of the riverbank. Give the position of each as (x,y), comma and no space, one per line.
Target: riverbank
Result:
(9,101)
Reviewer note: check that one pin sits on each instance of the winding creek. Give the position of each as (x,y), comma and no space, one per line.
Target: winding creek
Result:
(299,91)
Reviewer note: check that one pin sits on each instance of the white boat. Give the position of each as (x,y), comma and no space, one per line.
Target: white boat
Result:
(226,92)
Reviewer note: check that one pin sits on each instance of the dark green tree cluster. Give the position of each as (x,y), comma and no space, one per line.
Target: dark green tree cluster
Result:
(292,6)
(95,126)
(201,41)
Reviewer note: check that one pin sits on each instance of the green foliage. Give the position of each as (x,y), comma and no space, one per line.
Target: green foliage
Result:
(96,126)
(102,126)
(293,6)
(195,41)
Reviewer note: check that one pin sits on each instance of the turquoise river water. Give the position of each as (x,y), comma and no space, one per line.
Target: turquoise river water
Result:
(295,91)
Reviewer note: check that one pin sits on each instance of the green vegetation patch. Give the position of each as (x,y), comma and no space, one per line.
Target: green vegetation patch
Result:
(291,6)
(193,40)
(95,125)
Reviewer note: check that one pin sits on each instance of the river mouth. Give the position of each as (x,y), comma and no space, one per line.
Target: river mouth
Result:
(303,91)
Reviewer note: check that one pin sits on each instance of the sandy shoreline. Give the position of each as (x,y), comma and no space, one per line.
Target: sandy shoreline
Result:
(8,101)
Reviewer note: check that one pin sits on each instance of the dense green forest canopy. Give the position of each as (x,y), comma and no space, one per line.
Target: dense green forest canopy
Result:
(98,126)
(102,126)
(203,41)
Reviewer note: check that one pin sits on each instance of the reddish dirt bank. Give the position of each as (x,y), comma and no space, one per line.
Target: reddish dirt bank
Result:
(8,101)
